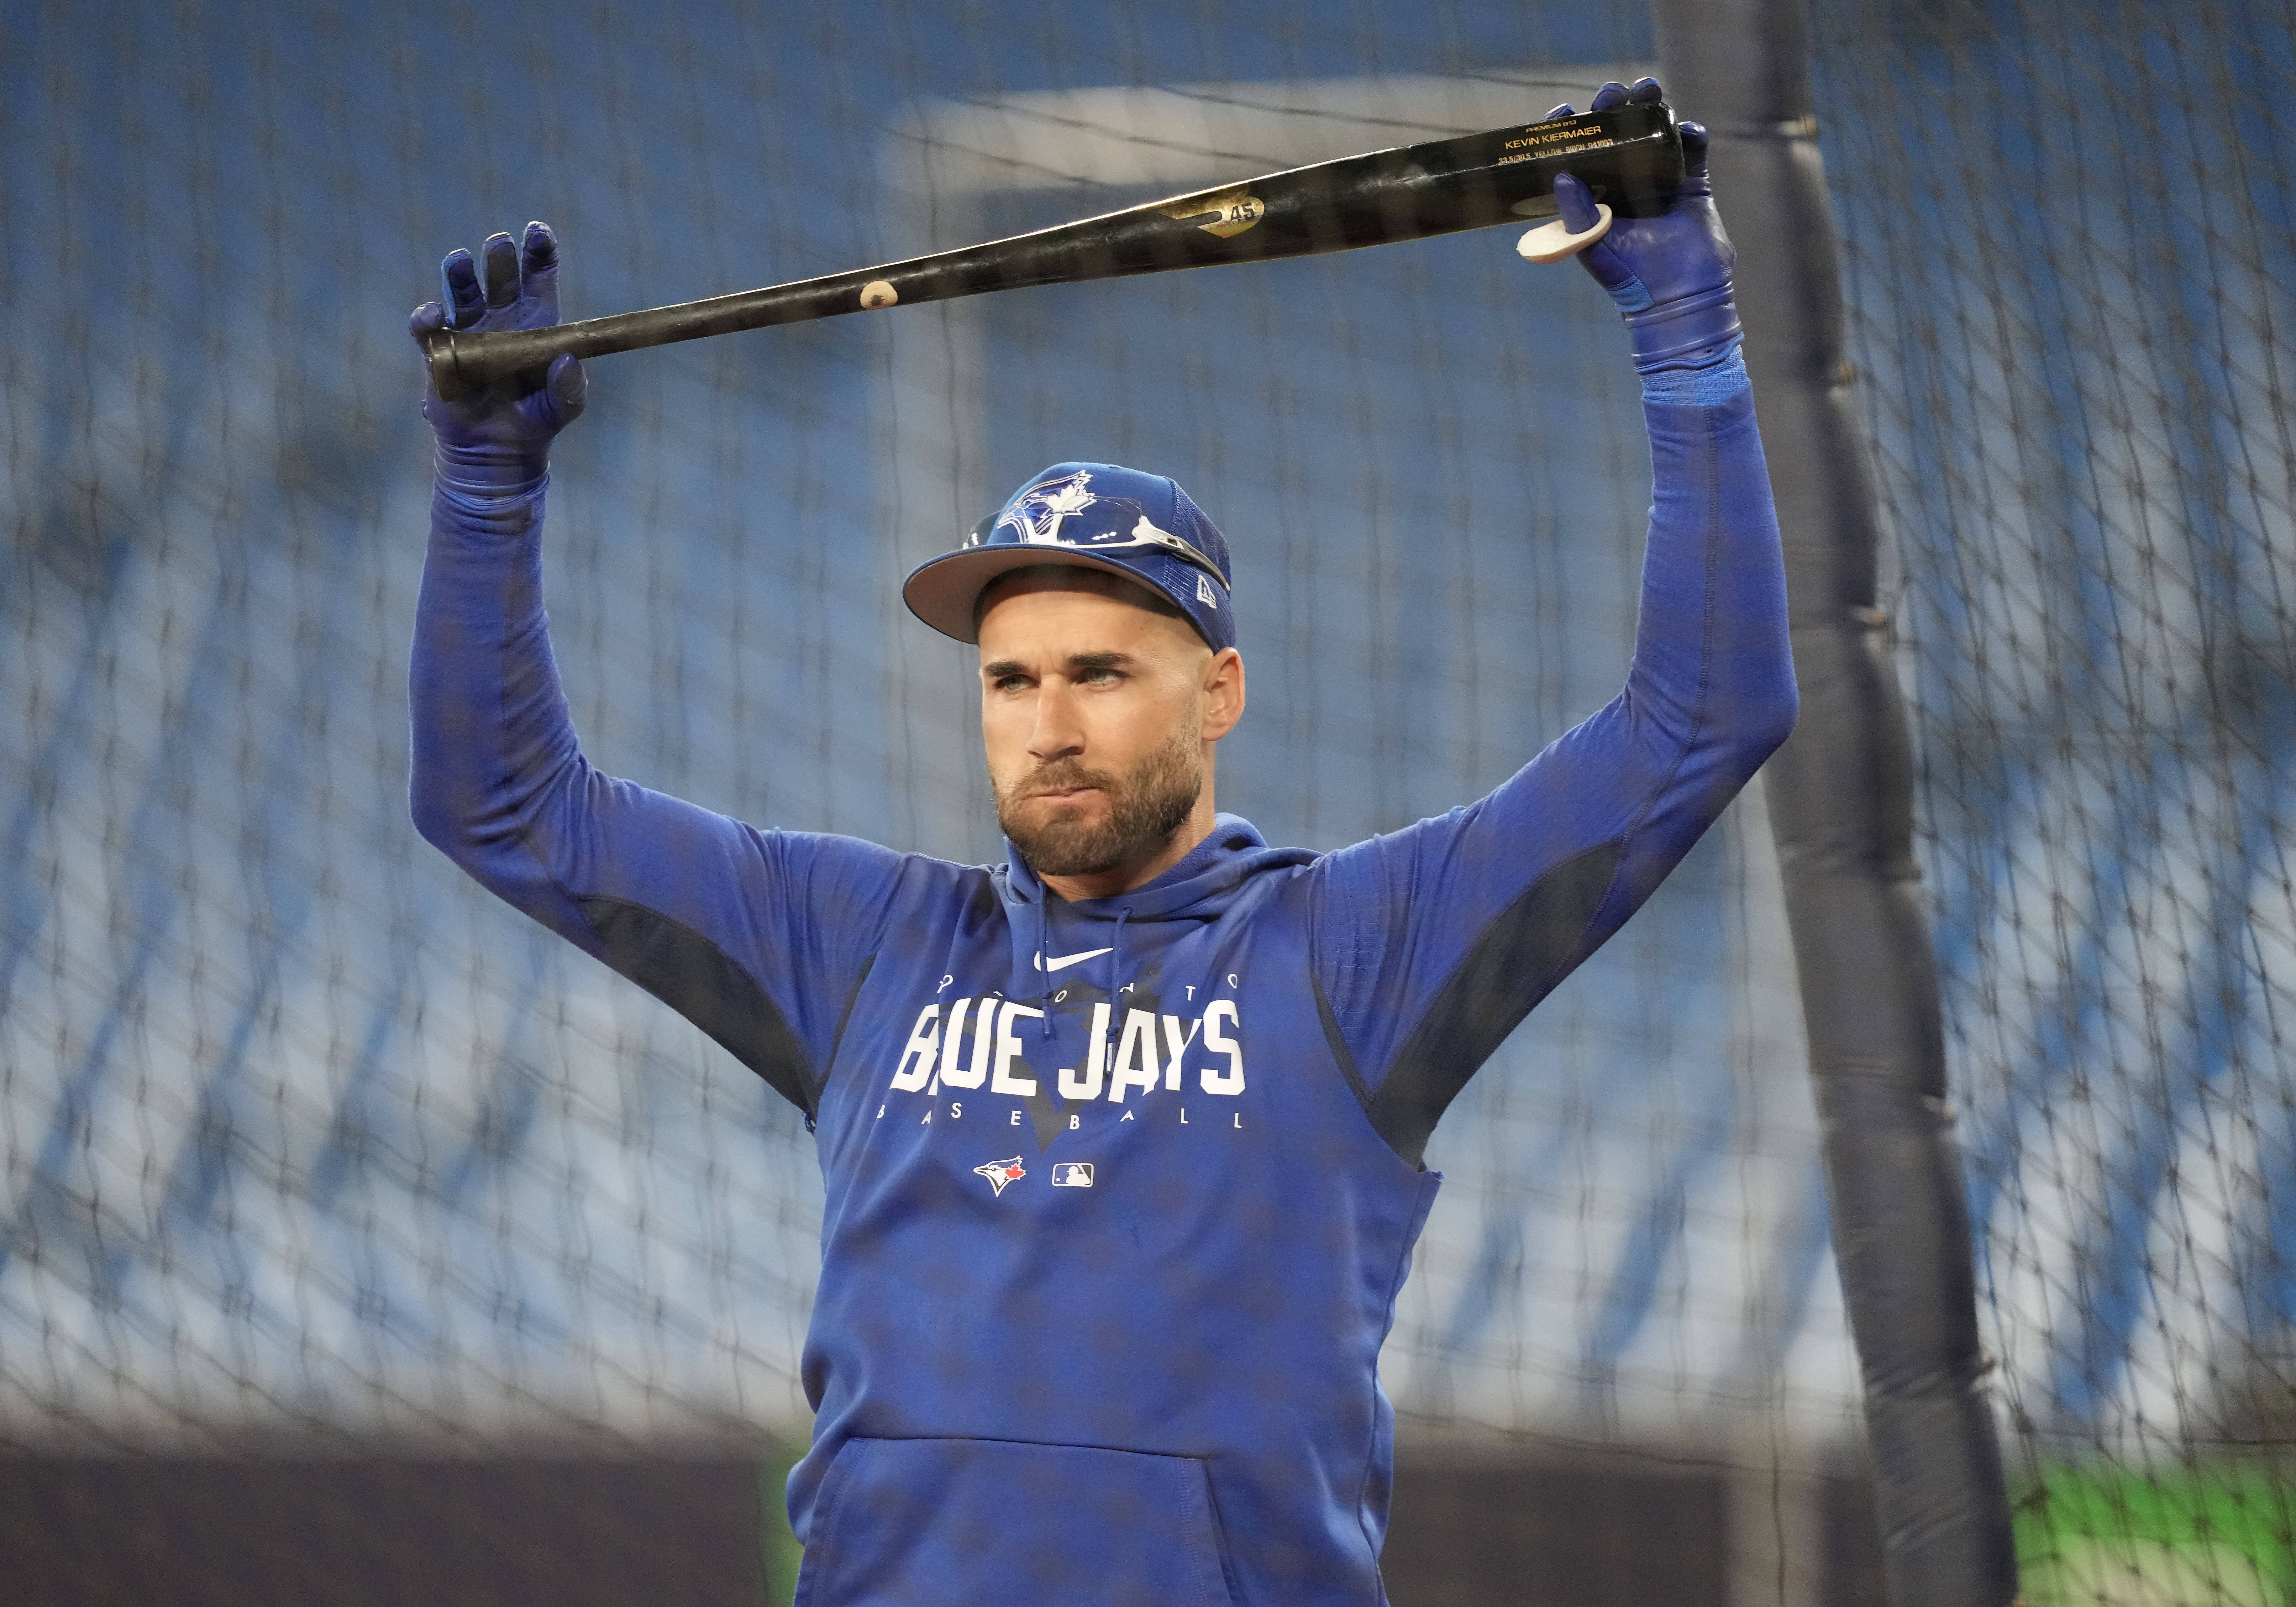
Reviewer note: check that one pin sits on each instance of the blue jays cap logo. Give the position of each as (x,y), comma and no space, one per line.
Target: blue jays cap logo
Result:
(1037,511)
(1094,515)
(1037,514)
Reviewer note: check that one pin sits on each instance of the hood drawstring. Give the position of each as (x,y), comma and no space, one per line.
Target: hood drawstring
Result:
(1044,972)
(1116,955)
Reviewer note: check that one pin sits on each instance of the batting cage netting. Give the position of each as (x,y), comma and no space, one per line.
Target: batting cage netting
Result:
(2067,233)
(308,1143)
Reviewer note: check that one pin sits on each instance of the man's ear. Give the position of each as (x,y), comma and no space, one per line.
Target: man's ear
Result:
(1223,685)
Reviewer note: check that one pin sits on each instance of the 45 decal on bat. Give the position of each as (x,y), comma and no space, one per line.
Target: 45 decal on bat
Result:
(1226,214)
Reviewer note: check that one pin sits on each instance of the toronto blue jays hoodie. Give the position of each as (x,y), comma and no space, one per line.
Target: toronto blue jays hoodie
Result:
(1120,1192)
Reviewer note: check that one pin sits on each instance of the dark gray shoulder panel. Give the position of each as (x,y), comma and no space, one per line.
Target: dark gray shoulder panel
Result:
(1337,1041)
(1515,963)
(694,977)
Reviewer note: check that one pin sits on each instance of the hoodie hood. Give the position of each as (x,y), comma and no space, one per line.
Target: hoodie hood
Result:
(1197,889)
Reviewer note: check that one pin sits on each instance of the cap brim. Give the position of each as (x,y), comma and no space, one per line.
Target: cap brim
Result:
(942,591)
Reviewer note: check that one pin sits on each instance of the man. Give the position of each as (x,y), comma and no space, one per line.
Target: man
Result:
(1121,1138)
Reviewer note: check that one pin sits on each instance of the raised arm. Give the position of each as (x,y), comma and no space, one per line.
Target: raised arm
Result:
(1432,943)
(758,936)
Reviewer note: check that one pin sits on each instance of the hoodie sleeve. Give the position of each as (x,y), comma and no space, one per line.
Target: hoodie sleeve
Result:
(759,938)
(1432,944)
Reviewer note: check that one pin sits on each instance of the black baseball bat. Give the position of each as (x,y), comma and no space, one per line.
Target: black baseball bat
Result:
(1630,157)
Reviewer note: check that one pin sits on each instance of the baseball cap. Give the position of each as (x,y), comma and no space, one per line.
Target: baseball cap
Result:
(1098,516)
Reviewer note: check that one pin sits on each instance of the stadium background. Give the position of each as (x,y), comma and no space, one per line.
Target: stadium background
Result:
(316,1159)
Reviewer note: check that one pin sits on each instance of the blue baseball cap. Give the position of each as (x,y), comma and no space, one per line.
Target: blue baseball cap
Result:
(1096,516)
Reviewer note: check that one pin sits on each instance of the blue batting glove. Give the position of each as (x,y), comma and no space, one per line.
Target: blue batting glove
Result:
(1671,274)
(495,441)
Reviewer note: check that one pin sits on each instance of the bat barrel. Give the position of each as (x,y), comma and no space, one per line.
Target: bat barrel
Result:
(1630,157)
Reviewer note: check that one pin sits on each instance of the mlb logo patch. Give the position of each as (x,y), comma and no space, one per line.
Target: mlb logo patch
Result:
(1072,1174)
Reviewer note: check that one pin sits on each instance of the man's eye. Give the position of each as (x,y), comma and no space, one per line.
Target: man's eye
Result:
(1098,676)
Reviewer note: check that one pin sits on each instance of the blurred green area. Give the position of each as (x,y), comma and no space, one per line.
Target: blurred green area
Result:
(778,1551)
(2207,1536)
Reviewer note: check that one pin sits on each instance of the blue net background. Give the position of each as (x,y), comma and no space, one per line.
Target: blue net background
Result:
(303,1132)
(299,1134)
(2068,234)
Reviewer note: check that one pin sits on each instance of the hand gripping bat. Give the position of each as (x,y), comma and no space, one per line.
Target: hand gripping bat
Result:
(1630,157)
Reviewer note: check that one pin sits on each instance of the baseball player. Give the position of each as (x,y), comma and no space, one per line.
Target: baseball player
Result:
(1121,1137)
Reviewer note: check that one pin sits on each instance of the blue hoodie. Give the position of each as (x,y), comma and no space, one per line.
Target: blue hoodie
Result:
(1120,1192)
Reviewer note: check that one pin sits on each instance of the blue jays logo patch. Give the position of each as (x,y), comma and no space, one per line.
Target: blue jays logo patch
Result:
(1001,1172)
(1036,513)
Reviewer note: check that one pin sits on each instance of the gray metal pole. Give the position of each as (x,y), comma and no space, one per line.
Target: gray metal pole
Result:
(1841,804)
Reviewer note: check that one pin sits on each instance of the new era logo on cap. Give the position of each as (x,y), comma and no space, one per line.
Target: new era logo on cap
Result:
(1099,516)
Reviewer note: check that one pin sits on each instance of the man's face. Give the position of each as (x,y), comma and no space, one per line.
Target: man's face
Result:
(1098,715)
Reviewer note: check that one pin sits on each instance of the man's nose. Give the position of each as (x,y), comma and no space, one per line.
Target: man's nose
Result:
(1057,733)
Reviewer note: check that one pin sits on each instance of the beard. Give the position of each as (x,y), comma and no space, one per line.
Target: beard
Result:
(1144,808)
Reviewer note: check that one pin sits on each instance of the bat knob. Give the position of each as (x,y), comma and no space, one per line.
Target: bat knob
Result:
(1552,241)
(446,373)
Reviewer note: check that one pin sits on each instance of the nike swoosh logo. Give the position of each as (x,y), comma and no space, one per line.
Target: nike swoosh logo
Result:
(1064,961)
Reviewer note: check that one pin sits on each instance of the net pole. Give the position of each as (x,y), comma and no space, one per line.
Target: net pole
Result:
(1841,806)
